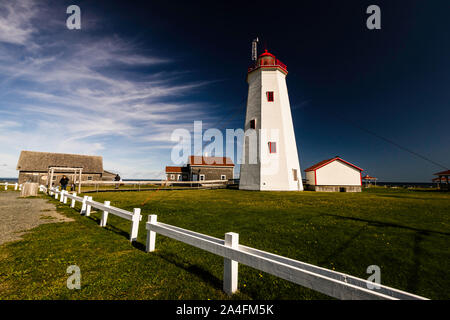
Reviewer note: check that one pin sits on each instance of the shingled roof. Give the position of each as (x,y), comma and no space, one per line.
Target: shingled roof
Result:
(41,161)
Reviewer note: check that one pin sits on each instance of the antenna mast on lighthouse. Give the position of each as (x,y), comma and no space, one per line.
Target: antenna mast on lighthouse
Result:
(255,49)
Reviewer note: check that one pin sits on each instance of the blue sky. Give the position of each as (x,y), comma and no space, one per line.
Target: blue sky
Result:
(134,73)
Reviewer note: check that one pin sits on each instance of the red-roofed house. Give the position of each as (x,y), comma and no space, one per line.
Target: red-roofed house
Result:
(334,175)
(201,168)
(177,173)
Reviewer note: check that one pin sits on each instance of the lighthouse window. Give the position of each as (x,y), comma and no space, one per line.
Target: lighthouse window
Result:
(294,171)
(270,96)
(253,124)
(272,147)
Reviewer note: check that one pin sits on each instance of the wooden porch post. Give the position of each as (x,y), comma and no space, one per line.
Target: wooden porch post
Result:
(79,182)
(50,182)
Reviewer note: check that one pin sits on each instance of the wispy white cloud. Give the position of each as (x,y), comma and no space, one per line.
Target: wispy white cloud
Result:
(85,96)
(15,21)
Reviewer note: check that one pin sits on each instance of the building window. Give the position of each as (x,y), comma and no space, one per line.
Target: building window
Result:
(253,124)
(294,171)
(90,178)
(272,147)
(179,177)
(223,177)
(202,177)
(269,96)
(172,177)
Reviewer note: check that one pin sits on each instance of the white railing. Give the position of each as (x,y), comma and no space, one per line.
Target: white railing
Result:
(150,182)
(88,203)
(16,185)
(332,283)
(138,185)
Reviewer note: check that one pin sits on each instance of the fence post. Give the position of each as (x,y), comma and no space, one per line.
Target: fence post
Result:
(230,267)
(56,195)
(151,235)
(88,207)
(105,214)
(65,196)
(6,185)
(83,206)
(135,224)
(16,186)
(72,205)
(61,198)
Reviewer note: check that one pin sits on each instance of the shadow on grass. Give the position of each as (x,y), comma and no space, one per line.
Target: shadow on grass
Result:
(343,247)
(414,272)
(388,224)
(138,245)
(201,273)
(398,196)
(419,234)
(110,227)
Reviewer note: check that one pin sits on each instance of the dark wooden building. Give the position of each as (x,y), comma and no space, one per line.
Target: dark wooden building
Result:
(34,167)
(201,168)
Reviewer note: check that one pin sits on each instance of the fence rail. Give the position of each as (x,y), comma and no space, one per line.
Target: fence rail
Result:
(16,185)
(149,182)
(138,185)
(332,283)
(88,203)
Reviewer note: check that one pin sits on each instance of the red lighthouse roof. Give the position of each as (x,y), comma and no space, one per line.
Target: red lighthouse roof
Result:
(266,53)
(267,60)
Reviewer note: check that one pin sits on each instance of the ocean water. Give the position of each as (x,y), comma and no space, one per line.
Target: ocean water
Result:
(9,180)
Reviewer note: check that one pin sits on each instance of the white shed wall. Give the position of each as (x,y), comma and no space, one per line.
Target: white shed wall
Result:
(338,173)
(310,178)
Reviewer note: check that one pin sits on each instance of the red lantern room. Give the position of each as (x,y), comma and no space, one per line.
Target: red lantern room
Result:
(268,60)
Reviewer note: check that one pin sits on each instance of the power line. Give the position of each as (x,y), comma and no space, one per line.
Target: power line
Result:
(391,142)
(399,146)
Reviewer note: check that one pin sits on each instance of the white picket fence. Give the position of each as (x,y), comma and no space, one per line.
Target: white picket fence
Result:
(15,185)
(87,203)
(332,283)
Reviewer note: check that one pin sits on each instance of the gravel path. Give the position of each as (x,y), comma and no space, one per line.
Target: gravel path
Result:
(18,215)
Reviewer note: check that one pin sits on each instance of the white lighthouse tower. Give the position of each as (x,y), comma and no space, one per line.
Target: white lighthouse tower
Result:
(270,159)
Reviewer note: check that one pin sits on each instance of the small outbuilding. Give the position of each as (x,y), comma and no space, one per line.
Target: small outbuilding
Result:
(442,180)
(334,175)
(369,180)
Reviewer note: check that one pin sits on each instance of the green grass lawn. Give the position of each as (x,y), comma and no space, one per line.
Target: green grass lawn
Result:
(405,232)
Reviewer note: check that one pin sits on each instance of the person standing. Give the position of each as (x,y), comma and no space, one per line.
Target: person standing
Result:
(117,178)
(64,181)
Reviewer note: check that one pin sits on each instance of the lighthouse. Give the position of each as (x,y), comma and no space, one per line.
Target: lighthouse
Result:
(269,158)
